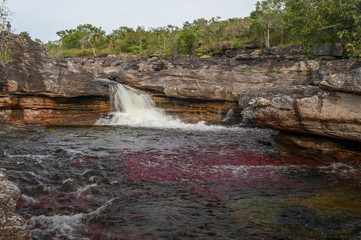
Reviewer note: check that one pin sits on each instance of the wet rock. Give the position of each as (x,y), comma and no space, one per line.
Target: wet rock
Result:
(320,148)
(326,202)
(12,226)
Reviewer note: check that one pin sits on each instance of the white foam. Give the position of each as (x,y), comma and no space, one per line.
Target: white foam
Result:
(136,109)
(64,227)
(38,158)
(84,189)
(341,169)
(28,199)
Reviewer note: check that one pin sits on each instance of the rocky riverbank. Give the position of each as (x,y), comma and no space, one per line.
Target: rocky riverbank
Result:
(281,89)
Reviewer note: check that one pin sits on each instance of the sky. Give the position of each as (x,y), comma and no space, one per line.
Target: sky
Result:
(43,18)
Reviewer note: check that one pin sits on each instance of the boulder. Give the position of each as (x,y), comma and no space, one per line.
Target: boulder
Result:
(12,226)
(328,50)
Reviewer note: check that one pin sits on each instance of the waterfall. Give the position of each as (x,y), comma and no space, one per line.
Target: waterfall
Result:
(129,101)
(228,115)
(134,108)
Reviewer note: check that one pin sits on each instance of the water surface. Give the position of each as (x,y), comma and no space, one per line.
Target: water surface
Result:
(103,182)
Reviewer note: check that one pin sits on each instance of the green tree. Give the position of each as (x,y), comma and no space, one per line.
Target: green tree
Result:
(84,36)
(4,16)
(325,21)
(267,20)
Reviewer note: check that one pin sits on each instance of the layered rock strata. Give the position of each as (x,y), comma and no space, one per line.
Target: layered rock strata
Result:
(35,89)
(326,104)
(270,90)
(200,89)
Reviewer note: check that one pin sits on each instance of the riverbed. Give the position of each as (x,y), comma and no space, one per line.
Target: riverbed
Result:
(122,182)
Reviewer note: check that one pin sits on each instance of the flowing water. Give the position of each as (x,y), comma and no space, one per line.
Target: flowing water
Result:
(139,174)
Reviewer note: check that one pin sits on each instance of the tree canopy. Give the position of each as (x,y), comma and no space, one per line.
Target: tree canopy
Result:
(198,37)
(272,23)
(309,22)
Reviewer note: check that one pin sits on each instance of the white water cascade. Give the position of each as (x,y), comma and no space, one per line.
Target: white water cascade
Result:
(134,108)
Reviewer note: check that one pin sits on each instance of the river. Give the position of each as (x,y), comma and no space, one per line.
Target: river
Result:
(144,175)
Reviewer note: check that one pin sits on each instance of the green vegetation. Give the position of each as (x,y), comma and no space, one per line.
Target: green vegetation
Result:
(200,37)
(272,23)
(5,52)
(310,22)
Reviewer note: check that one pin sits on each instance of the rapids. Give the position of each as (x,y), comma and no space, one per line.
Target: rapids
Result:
(139,174)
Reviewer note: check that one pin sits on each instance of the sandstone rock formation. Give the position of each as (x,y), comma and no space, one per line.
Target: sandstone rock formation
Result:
(39,90)
(12,226)
(327,104)
(200,89)
(272,90)
(35,89)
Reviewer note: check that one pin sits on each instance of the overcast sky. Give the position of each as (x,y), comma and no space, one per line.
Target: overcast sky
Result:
(43,18)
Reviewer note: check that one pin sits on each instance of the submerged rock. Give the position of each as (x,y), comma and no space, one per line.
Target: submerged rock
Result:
(320,148)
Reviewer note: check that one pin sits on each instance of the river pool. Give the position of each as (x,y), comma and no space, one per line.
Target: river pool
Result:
(121,182)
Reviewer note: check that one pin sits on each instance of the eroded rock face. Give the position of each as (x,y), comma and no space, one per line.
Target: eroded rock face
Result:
(200,89)
(327,104)
(12,226)
(41,90)
(36,89)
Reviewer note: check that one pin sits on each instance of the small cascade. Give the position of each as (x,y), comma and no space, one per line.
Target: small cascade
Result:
(134,108)
(229,115)
(128,100)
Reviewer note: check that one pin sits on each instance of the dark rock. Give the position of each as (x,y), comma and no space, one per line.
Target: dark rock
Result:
(294,50)
(320,148)
(159,66)
(251,45)
(328,50)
